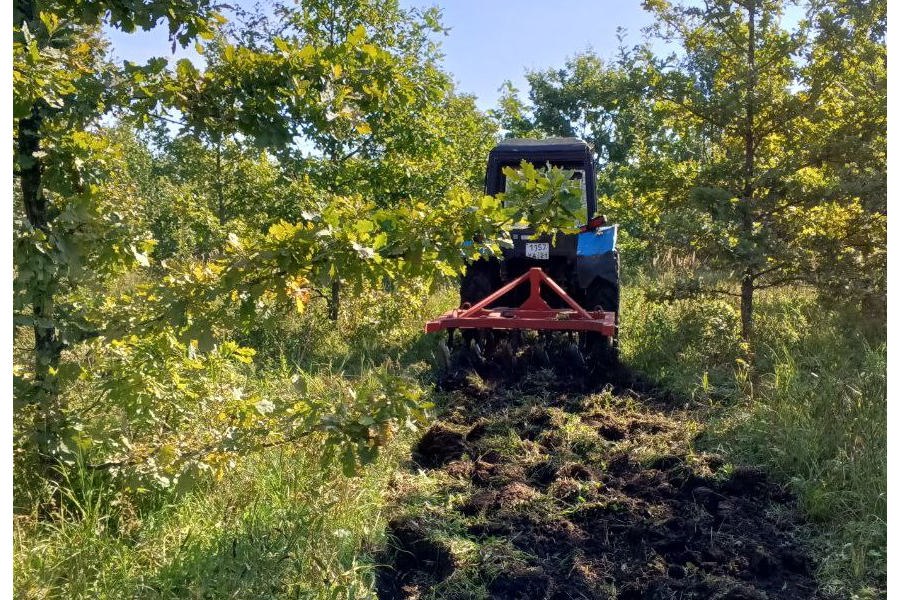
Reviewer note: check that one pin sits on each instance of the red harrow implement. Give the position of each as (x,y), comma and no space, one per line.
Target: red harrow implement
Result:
(534,313)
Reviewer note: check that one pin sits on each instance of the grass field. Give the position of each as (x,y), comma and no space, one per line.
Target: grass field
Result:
(809,405)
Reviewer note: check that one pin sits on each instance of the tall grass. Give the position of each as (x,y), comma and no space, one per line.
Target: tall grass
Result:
(807,399)
(280,525)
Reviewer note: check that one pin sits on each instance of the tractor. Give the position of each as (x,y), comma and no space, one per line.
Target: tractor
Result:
(566,283)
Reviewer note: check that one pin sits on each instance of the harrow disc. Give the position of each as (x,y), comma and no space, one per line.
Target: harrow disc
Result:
(514,353)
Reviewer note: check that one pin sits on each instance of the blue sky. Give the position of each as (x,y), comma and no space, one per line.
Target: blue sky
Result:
(489,41)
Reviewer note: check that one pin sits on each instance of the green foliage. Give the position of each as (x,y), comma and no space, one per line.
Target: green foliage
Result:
(764,186)
(63,84)
(164,354)
(341,399)
(262,231)
(547,199)
(511,114)
(690,345)
(736,151)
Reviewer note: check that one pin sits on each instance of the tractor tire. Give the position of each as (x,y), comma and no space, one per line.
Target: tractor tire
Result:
(602,295)
(482,277)
(602,350)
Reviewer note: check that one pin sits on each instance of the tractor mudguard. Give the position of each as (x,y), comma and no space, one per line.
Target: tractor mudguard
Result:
(597,257)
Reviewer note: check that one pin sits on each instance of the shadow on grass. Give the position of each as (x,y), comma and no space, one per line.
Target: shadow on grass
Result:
(260,561)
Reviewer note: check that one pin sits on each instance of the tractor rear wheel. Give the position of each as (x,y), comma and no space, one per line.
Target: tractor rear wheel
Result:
(482,277)
(602,295)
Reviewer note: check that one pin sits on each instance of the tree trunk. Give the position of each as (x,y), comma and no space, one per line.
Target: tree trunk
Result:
(47,344)
(334,303)
(747,289)
(749,141)
(219,196)
(747,281)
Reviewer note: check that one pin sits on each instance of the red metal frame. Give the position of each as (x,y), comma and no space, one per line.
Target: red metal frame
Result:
(534,313)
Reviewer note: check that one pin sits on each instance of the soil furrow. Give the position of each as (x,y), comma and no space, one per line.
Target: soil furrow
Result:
(545,488)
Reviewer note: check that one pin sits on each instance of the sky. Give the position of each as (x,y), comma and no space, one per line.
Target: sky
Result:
(489,41)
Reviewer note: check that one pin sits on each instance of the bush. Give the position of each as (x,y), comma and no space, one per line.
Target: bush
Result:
(283,520)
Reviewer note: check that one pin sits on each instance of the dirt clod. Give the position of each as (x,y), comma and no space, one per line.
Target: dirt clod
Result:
(745,480)
(565,489)
(611,432)
(619,463)
(542,474)
(665,462)
(761,561)
(477,431)
(461,469)
(439,446)
(480,501)
(515,494)
(575,471)
(415,555)
(526,585)
(795,561)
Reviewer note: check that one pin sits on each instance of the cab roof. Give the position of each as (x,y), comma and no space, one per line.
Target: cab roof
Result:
(552,148)
(568,153)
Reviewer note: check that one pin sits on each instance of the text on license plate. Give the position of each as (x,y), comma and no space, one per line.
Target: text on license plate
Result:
(540,251)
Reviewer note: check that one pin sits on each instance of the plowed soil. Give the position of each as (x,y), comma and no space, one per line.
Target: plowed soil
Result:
(547,487)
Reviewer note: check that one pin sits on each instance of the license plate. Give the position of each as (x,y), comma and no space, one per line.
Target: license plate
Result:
(539,251)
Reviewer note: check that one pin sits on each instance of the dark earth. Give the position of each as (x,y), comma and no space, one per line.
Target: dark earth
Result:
(551,486)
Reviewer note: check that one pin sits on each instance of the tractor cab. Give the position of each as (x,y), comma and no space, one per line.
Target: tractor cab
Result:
(564,153)
(585,264)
